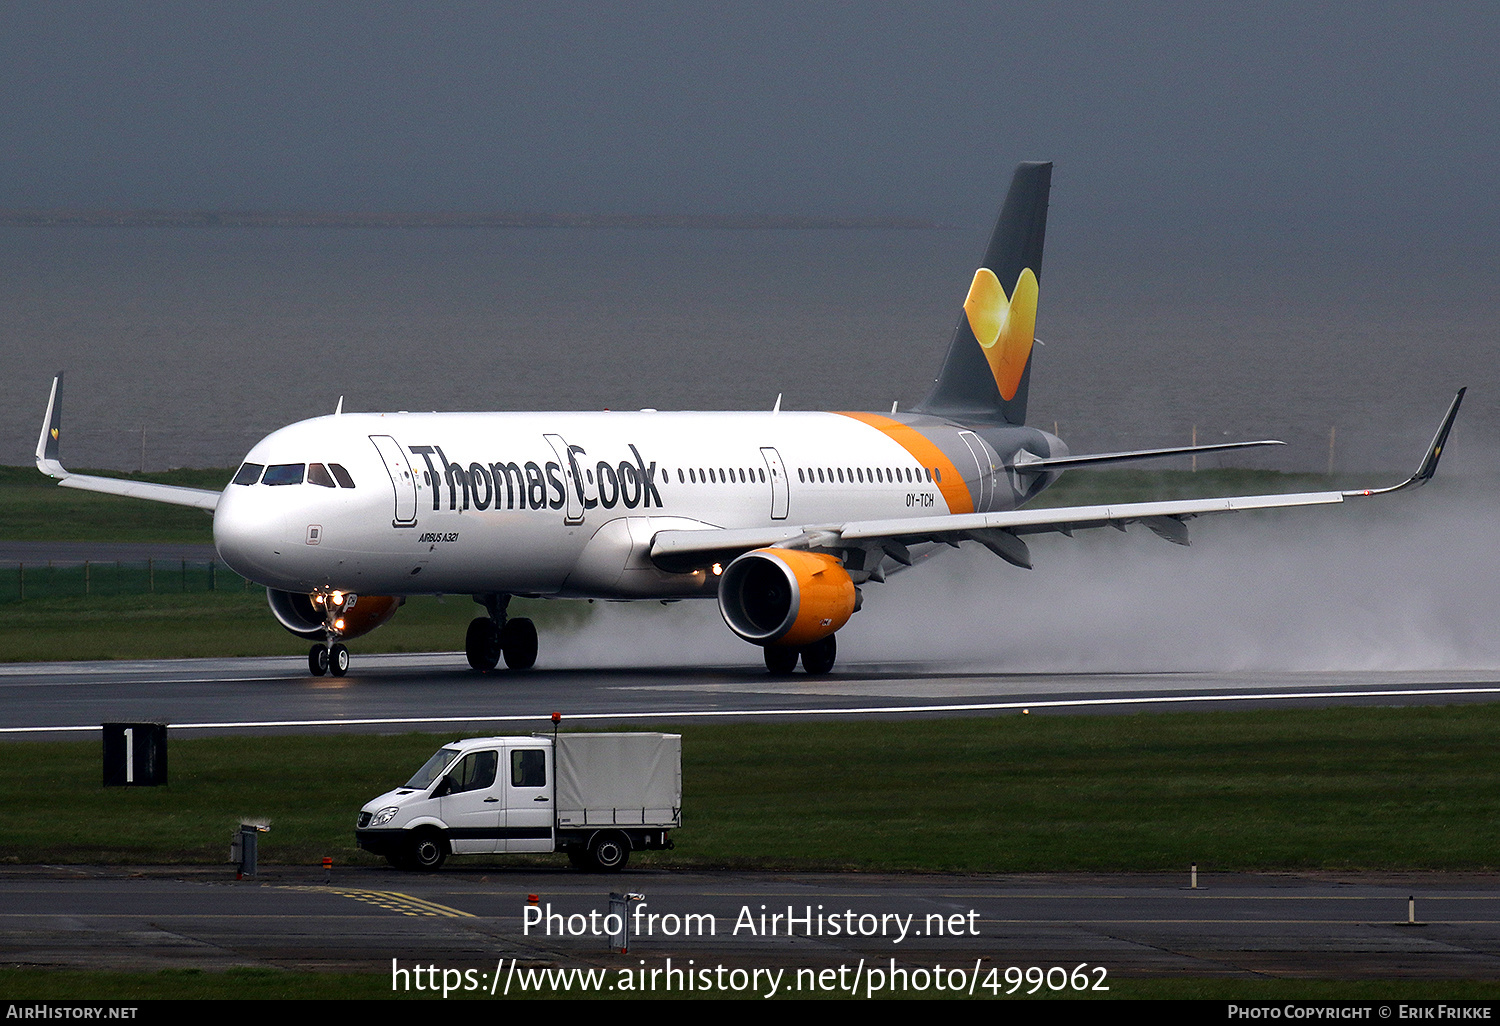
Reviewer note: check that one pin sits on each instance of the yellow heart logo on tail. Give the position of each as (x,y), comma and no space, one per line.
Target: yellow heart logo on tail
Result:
(1004,327)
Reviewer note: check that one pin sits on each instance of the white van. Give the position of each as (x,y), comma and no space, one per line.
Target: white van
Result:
(597,797)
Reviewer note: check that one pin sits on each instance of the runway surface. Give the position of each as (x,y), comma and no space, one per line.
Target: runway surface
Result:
(439,692)
(470,917)
(475,919)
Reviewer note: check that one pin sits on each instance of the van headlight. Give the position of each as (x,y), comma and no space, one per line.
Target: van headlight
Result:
(385,815)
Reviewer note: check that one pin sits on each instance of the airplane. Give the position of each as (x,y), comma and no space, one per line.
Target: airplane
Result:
(783,517)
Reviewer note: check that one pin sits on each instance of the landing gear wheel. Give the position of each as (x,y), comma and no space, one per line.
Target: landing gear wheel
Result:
(427,853)
(518,643)
(818,657)
(609,852)
(317,660)
(482,644)
(781,659)
(338,660)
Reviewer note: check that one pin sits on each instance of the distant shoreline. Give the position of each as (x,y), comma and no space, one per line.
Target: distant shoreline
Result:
(312,219)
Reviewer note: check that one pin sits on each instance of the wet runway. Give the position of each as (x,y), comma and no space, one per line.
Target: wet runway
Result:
(439,692)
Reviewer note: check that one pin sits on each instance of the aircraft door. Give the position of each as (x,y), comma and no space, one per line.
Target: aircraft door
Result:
(780,498)
(574,509)
(403,481)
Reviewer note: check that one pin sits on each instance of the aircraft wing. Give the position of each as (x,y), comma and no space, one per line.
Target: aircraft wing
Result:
(48,463)
(1002,532)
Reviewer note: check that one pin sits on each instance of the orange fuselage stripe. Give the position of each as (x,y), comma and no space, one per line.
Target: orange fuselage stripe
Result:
(951,483)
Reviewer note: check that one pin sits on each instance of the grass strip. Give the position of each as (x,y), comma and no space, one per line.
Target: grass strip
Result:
(1340,789)
(227,623)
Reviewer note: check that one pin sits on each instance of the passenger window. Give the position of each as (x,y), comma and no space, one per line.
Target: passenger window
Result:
(341,475)
(249,474)
(283,474)
(528,768)
(475,773)
(318,474)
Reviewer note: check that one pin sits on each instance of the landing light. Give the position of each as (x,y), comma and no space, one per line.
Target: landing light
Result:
(718,569)
(338,598)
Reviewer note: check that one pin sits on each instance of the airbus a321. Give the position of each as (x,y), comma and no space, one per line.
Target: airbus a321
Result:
(783,517)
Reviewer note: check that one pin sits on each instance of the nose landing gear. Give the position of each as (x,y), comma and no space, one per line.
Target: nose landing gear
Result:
(331,656)
(492,637)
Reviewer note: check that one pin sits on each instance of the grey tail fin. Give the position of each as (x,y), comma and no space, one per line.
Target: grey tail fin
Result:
(987,373)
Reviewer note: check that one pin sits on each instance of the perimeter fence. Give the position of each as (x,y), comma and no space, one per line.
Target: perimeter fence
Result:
(65,578)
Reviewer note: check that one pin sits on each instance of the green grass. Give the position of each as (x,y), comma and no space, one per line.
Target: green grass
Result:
(1090,487)
(35,508)
(226,623)
(1347,789)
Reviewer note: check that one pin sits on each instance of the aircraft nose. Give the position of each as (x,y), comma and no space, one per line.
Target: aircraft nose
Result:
(250,536)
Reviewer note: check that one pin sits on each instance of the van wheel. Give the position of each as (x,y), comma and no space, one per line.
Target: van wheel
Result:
(609,853)
(428,852)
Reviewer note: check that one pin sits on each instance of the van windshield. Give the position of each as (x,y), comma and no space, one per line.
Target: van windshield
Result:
(432,769)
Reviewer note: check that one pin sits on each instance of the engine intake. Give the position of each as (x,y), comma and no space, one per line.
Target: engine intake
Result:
(303,615)
(785,596)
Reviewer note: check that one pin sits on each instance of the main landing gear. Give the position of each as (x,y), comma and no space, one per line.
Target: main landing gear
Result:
(817,658)
(492,637)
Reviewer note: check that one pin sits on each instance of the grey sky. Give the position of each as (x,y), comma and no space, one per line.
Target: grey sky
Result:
(1348,116)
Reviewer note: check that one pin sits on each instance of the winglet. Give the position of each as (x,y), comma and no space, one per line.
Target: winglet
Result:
(47,460)
(1429,463)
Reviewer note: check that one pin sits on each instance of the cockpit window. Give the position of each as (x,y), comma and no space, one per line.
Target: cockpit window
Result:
(318,474)
(341,475)
(283,474)
(249,474)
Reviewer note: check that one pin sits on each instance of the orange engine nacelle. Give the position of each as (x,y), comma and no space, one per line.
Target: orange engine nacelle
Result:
(785,597)
(303,614)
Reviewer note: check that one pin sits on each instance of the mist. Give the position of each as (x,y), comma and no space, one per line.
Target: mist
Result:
(1408,582)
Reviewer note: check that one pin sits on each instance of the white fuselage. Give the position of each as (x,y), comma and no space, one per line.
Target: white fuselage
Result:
(566,504)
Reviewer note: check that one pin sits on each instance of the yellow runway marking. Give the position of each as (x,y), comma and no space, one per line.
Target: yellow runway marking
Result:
(393,901)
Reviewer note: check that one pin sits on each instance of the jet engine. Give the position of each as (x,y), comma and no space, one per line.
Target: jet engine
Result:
(304,615)
(785,597)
